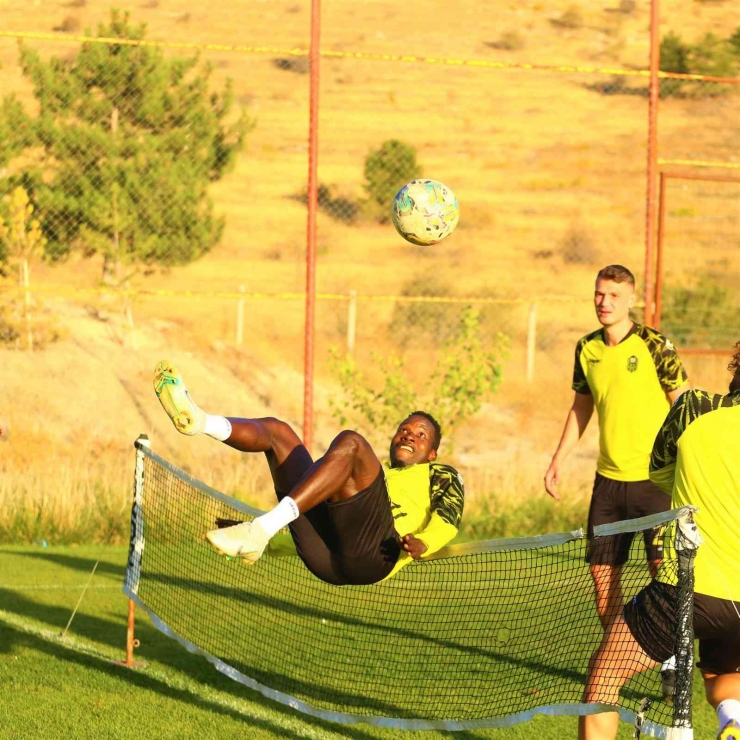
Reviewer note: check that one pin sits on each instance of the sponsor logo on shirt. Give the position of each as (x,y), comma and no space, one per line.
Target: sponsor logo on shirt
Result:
(632,364)
(592,361)
(669,345)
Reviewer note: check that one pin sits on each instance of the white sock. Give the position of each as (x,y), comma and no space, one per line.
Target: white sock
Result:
(281,516)
(218,427)
(728,710)
(668,665)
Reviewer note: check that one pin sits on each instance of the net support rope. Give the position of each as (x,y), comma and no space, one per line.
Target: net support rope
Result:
(484,634)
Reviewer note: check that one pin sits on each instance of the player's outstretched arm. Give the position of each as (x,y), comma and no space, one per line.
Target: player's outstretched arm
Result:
(579,415)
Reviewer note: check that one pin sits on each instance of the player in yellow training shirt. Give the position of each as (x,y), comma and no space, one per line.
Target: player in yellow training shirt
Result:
(353,520)
(696,458)
(630,374)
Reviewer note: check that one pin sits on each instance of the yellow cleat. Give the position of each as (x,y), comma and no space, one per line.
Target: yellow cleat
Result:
(731,731)
(246,541)
(176,401)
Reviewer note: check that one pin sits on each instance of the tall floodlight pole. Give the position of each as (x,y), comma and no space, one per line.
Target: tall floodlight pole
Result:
(652,157)
(313,144)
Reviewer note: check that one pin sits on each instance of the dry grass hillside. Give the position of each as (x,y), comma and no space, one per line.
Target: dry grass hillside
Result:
(536,159)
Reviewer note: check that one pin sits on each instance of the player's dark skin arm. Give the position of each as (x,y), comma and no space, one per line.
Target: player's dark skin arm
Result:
(413,546)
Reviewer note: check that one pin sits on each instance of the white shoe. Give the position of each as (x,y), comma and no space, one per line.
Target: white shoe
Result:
(731,731)
(176,401)
(246,540)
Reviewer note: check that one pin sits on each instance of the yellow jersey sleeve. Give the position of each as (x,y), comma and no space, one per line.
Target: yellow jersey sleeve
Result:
(580,381)
(687,409)
(668,365)
(447,498)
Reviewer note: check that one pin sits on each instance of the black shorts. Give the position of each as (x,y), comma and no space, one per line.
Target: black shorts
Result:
(651,617)
(616,501)
(351,542)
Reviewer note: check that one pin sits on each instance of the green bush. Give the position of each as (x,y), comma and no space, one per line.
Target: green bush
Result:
(674,54)
(711,56)
(386,170)
(734,42)
(701,314)
(460,377)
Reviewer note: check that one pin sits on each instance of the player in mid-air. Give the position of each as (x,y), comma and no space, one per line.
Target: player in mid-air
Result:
(696,458)
(630,374)
(353,519)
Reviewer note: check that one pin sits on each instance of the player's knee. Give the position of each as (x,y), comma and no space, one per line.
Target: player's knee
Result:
(349,443)
(278,429)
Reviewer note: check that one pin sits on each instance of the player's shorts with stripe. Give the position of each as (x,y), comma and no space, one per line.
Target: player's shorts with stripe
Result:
(351,541)
(615,501)
(651,617)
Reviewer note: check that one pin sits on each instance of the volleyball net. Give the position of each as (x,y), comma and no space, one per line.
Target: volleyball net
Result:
(485,634)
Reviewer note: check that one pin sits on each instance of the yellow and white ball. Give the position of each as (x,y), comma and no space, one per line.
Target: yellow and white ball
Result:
(425,212)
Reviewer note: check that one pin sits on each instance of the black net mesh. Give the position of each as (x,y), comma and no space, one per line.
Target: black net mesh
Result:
(486,638)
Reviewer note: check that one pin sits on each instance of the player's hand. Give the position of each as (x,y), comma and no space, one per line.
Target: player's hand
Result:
(415,548)
(552,478)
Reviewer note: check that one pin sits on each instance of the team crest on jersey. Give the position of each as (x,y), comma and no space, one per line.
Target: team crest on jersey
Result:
(632,364)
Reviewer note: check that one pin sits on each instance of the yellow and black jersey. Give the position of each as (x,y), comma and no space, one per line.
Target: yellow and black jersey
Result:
(696,459)
(427,501)
(628,383)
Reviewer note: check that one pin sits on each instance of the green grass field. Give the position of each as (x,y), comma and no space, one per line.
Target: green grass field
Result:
(61,688)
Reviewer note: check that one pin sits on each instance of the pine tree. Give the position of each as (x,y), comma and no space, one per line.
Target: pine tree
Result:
(131,141)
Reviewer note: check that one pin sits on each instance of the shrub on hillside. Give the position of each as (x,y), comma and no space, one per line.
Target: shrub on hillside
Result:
(711,56)
(453,385)
(387,169)
(572,17)
(700,314)
(578,247)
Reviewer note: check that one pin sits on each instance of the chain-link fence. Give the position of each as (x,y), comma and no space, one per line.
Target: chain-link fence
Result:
(161,159)
(698,245)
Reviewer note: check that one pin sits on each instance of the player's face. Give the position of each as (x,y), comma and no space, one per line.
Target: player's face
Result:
(412,443)
(613,301)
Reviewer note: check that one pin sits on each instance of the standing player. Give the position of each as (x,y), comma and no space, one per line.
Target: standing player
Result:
(631,374)
(346,511)
(696,458)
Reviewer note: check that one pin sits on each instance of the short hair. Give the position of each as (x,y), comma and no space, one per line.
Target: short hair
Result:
(734,368)
(433,422)
(616,273)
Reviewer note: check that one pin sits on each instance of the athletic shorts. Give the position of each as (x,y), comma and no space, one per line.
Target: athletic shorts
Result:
(615,501)
(350,542)
(651,617)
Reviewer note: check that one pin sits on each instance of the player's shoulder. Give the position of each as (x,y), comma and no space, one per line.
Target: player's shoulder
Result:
(438,467)
(654,340)
(594,336)
(443,471)
(695,402)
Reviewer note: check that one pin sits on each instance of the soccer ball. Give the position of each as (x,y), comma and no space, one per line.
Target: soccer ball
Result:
(425,212)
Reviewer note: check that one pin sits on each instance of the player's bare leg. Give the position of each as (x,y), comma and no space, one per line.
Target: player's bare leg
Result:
(348,467)
(723,693)
(615,661)
(286,455)
(608,591)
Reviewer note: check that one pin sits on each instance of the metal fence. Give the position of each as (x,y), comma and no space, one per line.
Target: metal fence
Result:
(134,152)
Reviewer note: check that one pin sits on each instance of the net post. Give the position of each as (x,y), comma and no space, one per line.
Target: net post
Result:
(133,570)
(688,540)
(131,641)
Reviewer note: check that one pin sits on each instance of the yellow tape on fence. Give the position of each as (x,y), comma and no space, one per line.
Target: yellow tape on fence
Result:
(481,63)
